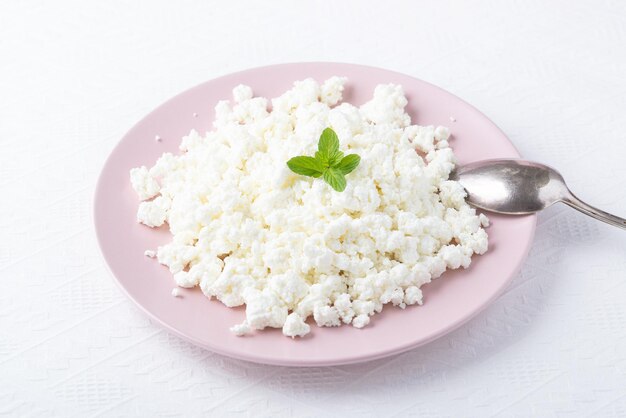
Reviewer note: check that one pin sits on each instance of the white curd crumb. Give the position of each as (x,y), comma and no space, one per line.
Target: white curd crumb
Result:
(452,119)
(360,321)
(413,295)
(241,329)
(332,89)
(343,305)
(195,115)
(326,316)
(176,292)
(143,183)
(242,93)
(150,253)
(154,212)
(442,133)
(157,138)
(295,326)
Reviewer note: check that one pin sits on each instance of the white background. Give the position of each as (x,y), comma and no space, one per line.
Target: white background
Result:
(75,76)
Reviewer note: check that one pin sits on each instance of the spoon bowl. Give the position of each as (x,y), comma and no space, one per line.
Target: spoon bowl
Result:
(519,187)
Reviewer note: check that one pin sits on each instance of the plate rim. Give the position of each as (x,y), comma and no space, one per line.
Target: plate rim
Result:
(260,359)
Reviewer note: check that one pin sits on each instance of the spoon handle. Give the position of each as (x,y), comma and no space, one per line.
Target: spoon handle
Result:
(601,215)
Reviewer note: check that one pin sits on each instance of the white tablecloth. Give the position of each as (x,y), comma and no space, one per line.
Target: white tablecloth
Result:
(75,76)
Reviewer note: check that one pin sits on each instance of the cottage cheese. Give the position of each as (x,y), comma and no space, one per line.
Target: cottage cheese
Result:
(247,230)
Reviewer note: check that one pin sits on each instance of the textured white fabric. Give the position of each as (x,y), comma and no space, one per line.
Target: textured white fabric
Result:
(75,76)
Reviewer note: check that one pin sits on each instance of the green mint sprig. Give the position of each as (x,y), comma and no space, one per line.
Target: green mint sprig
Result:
(328,163)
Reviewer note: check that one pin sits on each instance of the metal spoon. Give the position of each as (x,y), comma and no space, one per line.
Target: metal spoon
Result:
(518,187)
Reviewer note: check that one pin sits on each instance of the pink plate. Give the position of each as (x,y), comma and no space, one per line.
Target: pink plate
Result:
(449,301)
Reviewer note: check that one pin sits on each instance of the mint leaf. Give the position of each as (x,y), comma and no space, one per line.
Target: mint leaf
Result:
(335,159)
(328,162)
(323,160)
(335,178)
(329,143)
(307,166)
(348,163)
